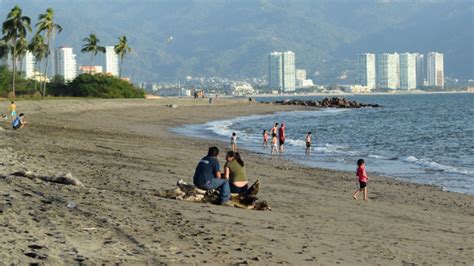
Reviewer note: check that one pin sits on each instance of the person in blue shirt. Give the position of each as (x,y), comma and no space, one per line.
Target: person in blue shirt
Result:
(19,122)
(208,176)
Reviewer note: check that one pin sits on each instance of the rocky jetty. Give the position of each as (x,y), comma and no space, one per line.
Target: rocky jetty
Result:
(334,102)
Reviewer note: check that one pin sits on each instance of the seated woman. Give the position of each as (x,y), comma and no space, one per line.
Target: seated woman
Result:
(234,170)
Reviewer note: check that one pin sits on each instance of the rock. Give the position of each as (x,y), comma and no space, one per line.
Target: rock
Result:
(334,102)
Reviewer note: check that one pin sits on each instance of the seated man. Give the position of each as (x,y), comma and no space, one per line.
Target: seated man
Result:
(208,176)
(19,122)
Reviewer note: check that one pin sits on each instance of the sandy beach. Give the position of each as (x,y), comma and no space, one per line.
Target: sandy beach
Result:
(123,153)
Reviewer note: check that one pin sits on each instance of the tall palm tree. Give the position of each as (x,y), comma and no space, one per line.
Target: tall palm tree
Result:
(91,45)
(46,24)
(121,49)
(14,28)
(4,51)
(21,49)
(40,50)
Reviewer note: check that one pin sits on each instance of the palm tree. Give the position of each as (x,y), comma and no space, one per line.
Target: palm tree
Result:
(14,28)
(4,51)
(46,24)
(121,49)
(91,45)
(40,50)
(21,49)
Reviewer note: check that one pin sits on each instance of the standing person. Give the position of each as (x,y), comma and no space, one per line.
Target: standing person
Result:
(274,129)
(233,142)
(265,139)
(12,108)
(308,143)
(234,171)
(210,100)
(19,122)
(363,179)
(208,176)
(274,144)
(281,137)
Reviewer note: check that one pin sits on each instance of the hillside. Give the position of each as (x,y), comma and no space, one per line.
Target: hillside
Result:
(232,38)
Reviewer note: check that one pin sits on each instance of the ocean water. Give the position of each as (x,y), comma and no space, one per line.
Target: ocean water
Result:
(423,138)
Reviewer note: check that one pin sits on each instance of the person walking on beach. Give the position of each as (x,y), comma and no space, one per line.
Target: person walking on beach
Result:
(19,122)
(265,139)
(233,142)
(12,108)
(363,179)
(308,143)
(274,144)
(281,137)
(208,176)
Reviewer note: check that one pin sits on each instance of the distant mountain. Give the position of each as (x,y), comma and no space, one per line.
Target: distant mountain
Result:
(231,38)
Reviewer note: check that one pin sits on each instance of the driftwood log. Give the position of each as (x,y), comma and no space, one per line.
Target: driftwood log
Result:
(66,179)
(189,192)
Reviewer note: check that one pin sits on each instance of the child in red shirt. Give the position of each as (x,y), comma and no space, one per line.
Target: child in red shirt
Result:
(363,178)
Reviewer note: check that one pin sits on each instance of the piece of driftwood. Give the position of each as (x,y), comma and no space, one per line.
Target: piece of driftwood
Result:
(189,192)
(66,179)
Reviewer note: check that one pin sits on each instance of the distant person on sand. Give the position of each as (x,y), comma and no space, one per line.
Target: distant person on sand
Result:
(233,142)
(308,143)
(363,179)
(210,100)
(208,176)
(274,144)
(265,139)
(234,171)
(282,137)
(19,122)
(12,108)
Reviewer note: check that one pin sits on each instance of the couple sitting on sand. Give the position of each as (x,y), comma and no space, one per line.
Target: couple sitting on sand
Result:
(208,175)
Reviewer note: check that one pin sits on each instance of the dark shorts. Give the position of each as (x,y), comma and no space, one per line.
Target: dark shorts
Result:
(239,190)
(308,144)
(17,127)
(362,185)
(282,141)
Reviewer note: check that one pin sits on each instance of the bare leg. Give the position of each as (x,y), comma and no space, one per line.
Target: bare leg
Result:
(366,194)
(356,194)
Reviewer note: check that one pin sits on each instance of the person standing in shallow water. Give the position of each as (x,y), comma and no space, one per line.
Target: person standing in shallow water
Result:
(282,137)
(308,143)
(265,139)
(233,142)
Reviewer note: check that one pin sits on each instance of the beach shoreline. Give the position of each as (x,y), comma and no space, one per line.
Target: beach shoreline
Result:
(123,152)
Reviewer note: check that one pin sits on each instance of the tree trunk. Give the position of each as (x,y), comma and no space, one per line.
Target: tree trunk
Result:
(90,67)
(43,94)
(121,65)
(13,71)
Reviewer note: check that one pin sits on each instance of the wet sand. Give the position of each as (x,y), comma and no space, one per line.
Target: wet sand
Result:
(124,153)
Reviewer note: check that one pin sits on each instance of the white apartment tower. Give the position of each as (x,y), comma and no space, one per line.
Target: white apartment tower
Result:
(408,71)
(275,71)
(420,70)
(111,61)
(388,71)
(281,71)
(28,65)
(289,71)
(65,63)
(367,70)
(435,69)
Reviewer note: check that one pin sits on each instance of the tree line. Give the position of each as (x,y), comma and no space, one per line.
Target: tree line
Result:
(14,44)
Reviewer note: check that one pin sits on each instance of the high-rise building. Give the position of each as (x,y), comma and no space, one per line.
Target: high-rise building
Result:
(420,70)
(28,65)
(65,63)
(435,69)
(300,74)
(281,71)
(111,61)
(408,71)
(275,71)
(367,70)
(289,69)
(388,71)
